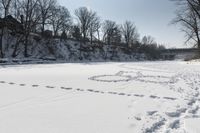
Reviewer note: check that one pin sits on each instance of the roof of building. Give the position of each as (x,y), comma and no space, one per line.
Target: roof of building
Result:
(12,23)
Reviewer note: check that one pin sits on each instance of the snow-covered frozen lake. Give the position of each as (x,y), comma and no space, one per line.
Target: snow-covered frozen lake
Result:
(140,97)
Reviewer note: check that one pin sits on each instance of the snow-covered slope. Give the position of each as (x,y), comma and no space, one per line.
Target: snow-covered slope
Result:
(145,97)
(68,50)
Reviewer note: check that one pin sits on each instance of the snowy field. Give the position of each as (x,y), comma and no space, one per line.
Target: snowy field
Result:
(143,97)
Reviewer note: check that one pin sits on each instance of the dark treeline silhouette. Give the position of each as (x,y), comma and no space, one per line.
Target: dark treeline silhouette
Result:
(46,19)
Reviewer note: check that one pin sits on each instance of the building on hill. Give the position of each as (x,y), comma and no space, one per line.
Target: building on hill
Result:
(16,27)
(11,24)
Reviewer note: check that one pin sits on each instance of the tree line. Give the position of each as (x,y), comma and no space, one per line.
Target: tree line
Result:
(40,16)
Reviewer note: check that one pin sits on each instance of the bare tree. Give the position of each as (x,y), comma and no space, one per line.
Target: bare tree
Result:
(188,15)
(112,34)
(85,18)
(66,26)
(195,6)
(148,40)
(94,27)
(129,33)
(6,6)
(45,7)
(29,9)
(60,19)
(76,33)
(98,27)
(15,10)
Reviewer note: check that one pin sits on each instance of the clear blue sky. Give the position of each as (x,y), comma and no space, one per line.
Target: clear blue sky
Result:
(152,17)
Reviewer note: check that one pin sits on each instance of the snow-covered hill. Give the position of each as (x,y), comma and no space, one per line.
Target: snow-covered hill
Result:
(68,50)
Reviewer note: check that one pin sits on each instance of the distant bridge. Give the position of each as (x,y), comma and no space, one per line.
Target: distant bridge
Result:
(179,53)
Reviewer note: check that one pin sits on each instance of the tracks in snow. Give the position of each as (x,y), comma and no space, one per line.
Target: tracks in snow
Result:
(173,121)
(89,90)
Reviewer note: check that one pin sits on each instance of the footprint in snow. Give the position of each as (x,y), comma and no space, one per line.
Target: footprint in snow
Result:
(51,87)
(128,95)
(196,94)
(90,90)
(11,83)
(115,93)
(79,89)
(151,112)
(154,97)
(176,113)
(137,95)
(173,114)
(175,124)
(169,98)
(191,102)
(66,88)
(35,85)
(22,84)
(121,94)
(194,110)
(138,118)
(96,91)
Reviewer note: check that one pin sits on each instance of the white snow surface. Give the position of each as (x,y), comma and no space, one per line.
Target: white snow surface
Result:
(140,97)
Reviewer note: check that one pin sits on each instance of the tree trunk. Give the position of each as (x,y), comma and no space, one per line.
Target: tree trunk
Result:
(84,37)
(1,43)
(198,39)
(43,24)
(98,35)
(26,46)
(199,48)
(91,39)
(14,54)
